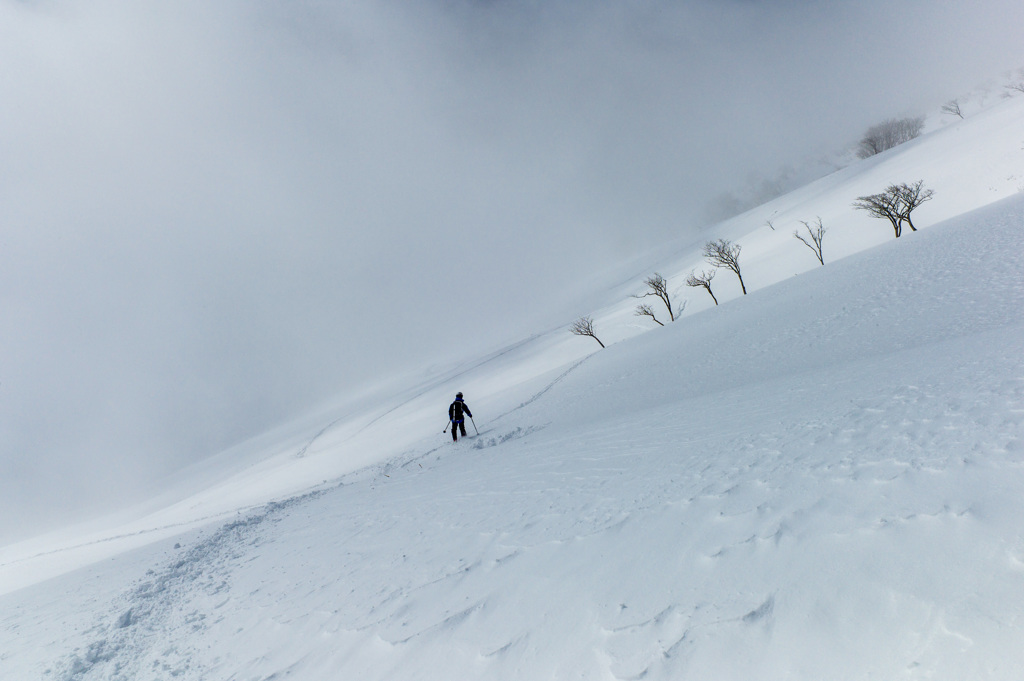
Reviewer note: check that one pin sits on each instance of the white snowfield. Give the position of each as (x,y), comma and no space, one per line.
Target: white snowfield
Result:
(821,480)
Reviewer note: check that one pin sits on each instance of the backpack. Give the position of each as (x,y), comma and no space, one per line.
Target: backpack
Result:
(457,410)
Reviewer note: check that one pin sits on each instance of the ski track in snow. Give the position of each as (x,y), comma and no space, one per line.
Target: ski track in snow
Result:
(173,602)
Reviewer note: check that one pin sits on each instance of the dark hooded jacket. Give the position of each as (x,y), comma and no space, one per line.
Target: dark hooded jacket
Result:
(456,410)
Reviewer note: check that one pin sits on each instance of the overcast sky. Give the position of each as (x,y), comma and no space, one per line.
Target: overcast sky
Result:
(217,215)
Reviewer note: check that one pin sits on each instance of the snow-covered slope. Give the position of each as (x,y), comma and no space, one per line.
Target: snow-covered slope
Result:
(822,479)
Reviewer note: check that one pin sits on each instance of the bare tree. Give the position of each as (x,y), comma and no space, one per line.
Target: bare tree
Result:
(952,107)
(815,234)
(895,204)
(703,279)
(724,253)
(658,286)
(1017,86)
(584,326)
(646,311)
(910,197)
(888,134)
(883,205)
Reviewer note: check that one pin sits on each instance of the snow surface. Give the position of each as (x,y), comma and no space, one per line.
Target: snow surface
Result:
(821,480)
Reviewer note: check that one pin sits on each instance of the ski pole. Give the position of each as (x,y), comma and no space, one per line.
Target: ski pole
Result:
(474,425)
(446,427)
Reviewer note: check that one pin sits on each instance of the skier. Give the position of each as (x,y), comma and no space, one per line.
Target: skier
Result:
(455,415)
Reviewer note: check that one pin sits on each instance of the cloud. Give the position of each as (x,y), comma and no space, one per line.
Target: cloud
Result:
(214,216)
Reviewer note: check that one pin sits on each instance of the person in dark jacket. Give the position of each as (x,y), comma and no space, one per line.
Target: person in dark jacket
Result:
(456,414)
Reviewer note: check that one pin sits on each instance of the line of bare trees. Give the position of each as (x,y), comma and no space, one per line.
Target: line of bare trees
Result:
(720,253)
(895,204)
